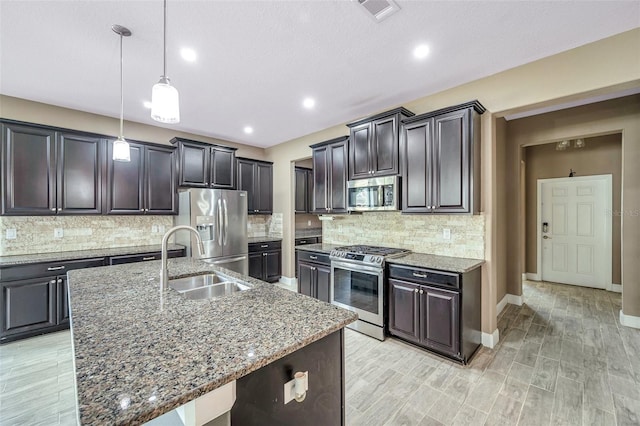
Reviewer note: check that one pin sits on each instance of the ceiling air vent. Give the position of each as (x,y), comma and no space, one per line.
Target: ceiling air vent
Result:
(379,9)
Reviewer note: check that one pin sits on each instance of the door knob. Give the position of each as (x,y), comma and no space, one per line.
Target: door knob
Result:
(546,237)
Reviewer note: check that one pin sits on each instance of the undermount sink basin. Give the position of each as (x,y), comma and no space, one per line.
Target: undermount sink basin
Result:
(208,286)
(215,290)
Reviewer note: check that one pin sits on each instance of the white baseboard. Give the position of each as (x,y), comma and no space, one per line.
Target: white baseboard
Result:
(629,320)
(289,281)
(490,340)
(501,304)
(524,276)
(616,288)
(508,298)
(533,276)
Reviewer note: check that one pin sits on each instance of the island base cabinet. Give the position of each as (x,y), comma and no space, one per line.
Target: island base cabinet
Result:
(260,395)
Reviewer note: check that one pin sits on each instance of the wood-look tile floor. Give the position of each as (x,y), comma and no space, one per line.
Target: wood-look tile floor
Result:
(563,359)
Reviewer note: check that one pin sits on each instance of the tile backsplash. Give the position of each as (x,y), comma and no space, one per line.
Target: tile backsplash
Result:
(36,234)
(419,233)
(265,225)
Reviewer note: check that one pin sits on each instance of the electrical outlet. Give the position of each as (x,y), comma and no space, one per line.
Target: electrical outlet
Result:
(154,229)
(161,228)
(308,223)
(446,234)
(58,233)
(12,234)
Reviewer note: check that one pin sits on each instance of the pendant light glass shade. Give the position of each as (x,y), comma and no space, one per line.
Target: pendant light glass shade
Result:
(165,102)
(121,150)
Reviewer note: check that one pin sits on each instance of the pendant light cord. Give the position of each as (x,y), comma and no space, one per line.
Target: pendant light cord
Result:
(121,91)
(164,70)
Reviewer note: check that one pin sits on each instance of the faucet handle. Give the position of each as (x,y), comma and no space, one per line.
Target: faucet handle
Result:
(201,248)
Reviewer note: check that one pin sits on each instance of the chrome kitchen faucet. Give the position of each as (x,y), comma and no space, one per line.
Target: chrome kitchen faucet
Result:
(164,275)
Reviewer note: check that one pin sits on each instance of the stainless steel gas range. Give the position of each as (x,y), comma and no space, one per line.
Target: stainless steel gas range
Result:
(358,284)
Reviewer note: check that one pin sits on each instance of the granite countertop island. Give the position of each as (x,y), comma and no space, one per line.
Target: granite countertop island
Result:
(139,355)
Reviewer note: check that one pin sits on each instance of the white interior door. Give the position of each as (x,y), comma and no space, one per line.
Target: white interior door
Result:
(574,230)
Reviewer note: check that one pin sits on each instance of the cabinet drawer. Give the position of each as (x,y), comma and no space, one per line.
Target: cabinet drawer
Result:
(34,270)
(265,246)
(310,256)
(143,257)
(425,276)
(307,240)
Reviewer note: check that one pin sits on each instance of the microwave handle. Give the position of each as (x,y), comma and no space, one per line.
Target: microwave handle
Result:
(381,196)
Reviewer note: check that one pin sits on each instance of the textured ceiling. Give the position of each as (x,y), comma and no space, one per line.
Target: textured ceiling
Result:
(257,60)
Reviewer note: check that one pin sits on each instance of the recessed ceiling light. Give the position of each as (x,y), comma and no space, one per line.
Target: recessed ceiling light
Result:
(421,51)
(309,103)
(188,54)
(248,130)
(147,104)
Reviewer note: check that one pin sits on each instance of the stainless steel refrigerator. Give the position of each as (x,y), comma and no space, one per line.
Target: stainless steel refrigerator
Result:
(220,216)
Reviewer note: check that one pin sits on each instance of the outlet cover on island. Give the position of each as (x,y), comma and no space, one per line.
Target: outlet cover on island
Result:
(11,234)
(58,233)
(446,234)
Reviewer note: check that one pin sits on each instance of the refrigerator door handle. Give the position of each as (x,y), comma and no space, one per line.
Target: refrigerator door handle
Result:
(226,221)
(220,224)
(222,262)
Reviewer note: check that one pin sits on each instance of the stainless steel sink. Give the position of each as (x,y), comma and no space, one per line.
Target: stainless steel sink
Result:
(214,291)
(208,286)
(189,283)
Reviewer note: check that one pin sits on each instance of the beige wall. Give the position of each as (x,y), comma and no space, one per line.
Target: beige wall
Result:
(607,65)
(615,116)
(50,115)
(501,200)
(602,155)
(307,221)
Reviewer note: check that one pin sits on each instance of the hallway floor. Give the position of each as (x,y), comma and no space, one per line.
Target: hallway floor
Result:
(563,359)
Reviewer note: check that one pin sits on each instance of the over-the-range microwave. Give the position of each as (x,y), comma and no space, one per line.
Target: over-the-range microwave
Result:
(373,194)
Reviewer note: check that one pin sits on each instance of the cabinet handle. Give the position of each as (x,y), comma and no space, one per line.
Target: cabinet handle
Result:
(59,209)
(416,290)
(52,282)
(149,258)
(55,268)
(264,254)
(264,246)
(415,274)
(59,281)
(302,242)
(53,209)
(421,291)
(313,257)
(141,210)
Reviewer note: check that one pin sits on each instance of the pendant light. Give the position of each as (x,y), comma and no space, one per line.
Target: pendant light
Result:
(165,104)
(120,145)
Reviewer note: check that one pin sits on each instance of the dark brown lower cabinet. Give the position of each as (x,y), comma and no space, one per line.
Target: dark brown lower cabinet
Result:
(28,305)
(259,394)
(437,310)
(314,274)
(265,261)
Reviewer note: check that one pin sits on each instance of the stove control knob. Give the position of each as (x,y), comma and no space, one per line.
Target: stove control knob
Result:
(378,259)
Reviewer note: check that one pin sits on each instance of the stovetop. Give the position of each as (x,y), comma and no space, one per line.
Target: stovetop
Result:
(366,254)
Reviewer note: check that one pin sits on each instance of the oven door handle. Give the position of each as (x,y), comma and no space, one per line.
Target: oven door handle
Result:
(355,267)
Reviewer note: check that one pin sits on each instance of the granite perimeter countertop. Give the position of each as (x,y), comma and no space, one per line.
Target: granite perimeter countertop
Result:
(263,239)
(443,263)
(139,355)
(60,256)
(319,247)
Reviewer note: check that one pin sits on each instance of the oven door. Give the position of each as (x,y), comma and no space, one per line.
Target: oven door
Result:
(358,288)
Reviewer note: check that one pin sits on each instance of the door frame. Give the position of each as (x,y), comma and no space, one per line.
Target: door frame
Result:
(608,180)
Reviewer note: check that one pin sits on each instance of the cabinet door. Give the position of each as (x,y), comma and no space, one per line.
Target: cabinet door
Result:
(29,170)
(306,278)
(161,196)
(440,320)
(338,177)
(125,180)
(451,148)
(246,181)
(223,168)
(272,266)
(360,151)
(309,192)
(194,165)
(256,263)
(28,305)
(301,188)
(62,300)
(323,281)
(416,156)
(80,162)
(384,147)
(404,308)
(264,188)
(320,181)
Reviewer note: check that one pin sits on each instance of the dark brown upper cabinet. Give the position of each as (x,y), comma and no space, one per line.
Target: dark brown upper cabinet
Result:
(440,160)
(373,144)
(144,185)
(256,177)
(303,190)
(45,171)
(204,165)
(330,173)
